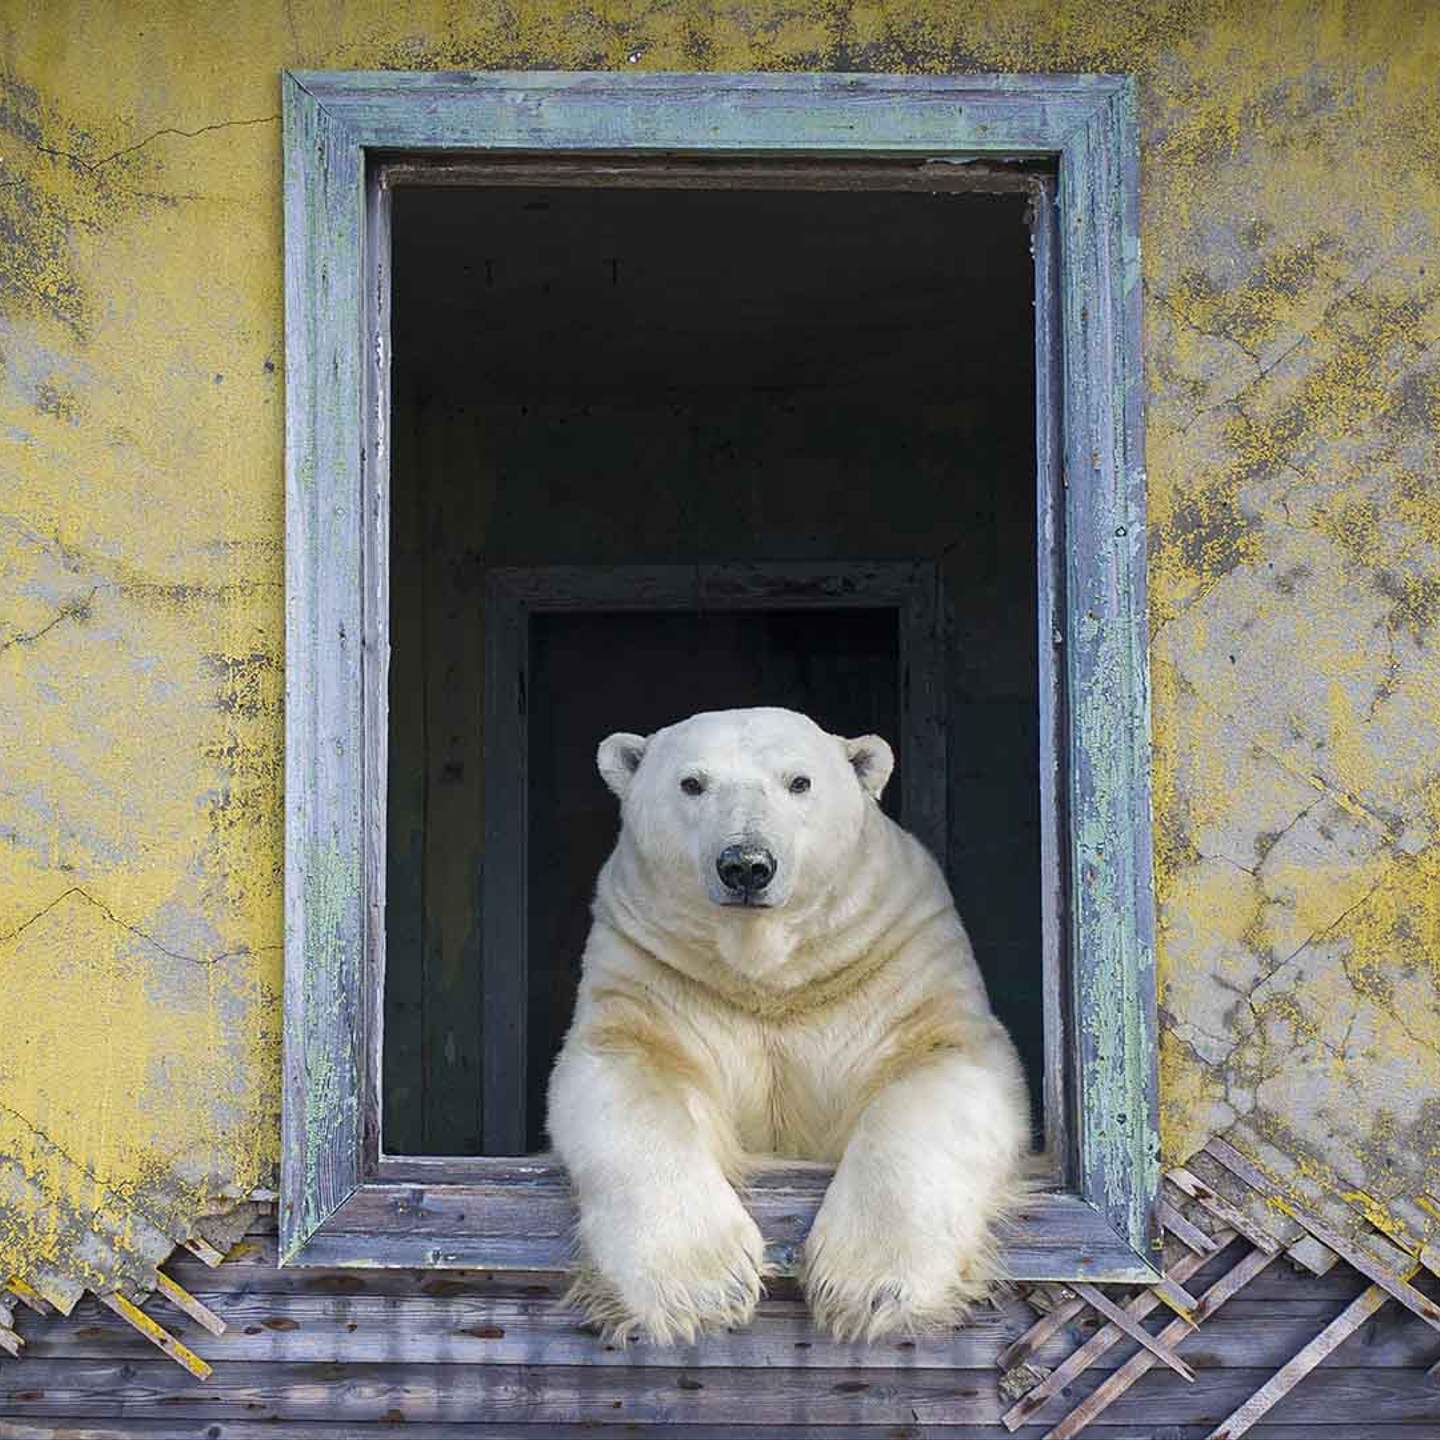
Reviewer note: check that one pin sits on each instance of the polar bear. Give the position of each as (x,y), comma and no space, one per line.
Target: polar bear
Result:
(776,968)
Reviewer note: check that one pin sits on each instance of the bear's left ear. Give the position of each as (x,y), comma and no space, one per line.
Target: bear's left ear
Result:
(872,760)
(619,757)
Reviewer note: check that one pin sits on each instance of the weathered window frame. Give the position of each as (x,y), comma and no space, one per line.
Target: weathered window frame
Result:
(342,1201)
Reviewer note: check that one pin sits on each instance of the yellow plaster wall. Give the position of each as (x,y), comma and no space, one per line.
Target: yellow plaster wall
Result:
(1291,247)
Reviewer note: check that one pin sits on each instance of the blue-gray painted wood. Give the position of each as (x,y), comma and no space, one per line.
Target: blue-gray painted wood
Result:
(335,479)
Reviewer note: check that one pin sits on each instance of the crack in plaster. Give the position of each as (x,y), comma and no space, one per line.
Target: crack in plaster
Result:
(204,961)
(124,1201)
(1347,802)
(1396,252)
(78,609)
(93,165)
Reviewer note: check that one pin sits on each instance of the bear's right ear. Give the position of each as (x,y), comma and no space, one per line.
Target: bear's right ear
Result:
(619,757)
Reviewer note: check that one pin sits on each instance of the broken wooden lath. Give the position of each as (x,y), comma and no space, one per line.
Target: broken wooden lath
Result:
(129,1311)
(1269,1225)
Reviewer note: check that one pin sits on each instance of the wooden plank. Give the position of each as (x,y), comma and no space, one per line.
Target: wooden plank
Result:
(1175,1295)
(1081,1359)
(183,1300)
(543,1397)
(1318,1259)
(148,1429)
(1048,1325)
(466,1326)
(1133,1328)
(376,447)
(1218,1206)
(1357,1256)
(28,1295)
(1189,1235)
(668,172)
(1115,1385)
(528,1226)
(203,1250)
(325,760)
(156,1334)
(1340,1329)
(1111,902)
(10,1341)
(1050,690)
(757,113)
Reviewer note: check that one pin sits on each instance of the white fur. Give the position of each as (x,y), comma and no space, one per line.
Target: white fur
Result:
(845,1022)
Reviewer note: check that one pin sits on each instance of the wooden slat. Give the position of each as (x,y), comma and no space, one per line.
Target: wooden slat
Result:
(10,1341)
(1340,1329)
(327,802)
(1187,1233)
(1113,1387)
(528,1227)
(1175,1295)
(1317,1258)
(1075,1365)
(204,1251)
(1133,1328)
(468,1329)
(156,1334)
(547,1397)
(183,1300)
(1051,1323)
(1349,1428)
(1364,1262)
(1218,1206)
(27,1294)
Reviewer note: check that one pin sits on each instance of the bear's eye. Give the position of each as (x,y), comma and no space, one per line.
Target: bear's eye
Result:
(693,785)
(800,784)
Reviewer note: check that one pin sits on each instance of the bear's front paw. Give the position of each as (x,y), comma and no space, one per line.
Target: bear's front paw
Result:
(670,1276)
(870,1272)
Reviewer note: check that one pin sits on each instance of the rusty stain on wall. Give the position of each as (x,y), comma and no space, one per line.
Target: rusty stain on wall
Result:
(1291,265)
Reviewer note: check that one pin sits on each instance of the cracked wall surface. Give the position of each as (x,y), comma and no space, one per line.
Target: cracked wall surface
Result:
(1291,263)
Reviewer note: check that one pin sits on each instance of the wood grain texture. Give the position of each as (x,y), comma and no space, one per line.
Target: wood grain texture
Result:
(1345,1324)
(554,1395)
(325,765)
(1111,890)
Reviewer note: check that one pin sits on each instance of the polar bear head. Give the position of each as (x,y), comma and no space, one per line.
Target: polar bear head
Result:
(750,809)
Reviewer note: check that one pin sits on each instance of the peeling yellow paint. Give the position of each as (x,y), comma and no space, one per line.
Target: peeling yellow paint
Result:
(1291,265)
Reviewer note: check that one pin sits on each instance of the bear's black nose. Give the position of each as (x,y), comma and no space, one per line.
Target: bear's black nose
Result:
(745,869)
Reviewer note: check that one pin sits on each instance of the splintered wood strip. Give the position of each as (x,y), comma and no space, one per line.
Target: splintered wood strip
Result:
(1318,1259)
(1047,1325)
(11,1341)
(26,1292)
(1285,1379)
(156,1334)
(1112,1388)
(1222,1209)
(1365,1263)
(202,1249)
(1176,1296)
(182,1299)
(1096,1297)
(1430,1258)
(1186,1232)
(1137,1309)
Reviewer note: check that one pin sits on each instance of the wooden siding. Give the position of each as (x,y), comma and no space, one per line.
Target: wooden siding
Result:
(329,1353)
